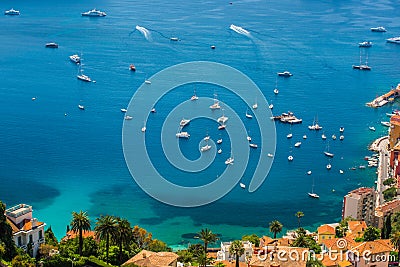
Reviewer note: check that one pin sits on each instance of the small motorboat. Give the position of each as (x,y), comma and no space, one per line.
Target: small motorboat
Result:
(124,110)
(94,13)
(365,44)
(309,172)
(147,81)
(242,185)
(219,141)
(249,116)
(341,129)
(212,47)
(372,128)
(323,136)
(185,122)
(219,151)
(304,136)
(132,67)
(229,161)
(341,137)
(221,127)
(394,40)
(248,138)
(52,45)
(285,74)
(81,107)
(313,195)
(276,91)
(378,29)
(270,155)
(253,145)
(11,12)
(298,144)
(205,148)
(128,117)
(143,129)
(175,39)
(75,58)
(385,123)
(33,98)
(329,166)
(341,171)
(290,158)
(153,110)
(289,135)
(333,137)
(271,106)
(328,154)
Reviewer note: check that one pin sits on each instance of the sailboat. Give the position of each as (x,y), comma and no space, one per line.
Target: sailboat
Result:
(223,118)
(80,74)
(255,106)
(315,125)
(194,96)
(249,116)
(362,66)
(312,194)
(276,91)
(206,147)
(327,153)
(216,103)
(230,160)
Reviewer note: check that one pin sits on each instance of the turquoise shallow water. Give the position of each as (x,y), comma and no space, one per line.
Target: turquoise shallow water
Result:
(61,164)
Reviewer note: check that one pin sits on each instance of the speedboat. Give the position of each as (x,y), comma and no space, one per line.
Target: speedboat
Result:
(395,40)
(81,107)
(298,144)
(147,81)
(83,77)
(249,116)
(11,12)
(184,122)
(372,128)
(290,158)
(289,135)
(378,29)
(183,135)
(341,171)
(132,67)
(205,148)
(270,155)
(329,166)
(323,136)
(221,127)
(249,138)
(333,137)
(94,13)
(206,138)
(143,129)
(313,195)
(212,47)
(341,129)
(365,44)
(153,110)
(285,74)
(304,136)
(242,185)
(219,141)
(124,110)
(219,151)
(174,39)
(229,161)
(362,67)
(271,106)
(309,172)
(276,91)
(328,154)
(385,123)
(341,137)
(222,119)
(52,45)
(253,145)
(128,117)
(75,58)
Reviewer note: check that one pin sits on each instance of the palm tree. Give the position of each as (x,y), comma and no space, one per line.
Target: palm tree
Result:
(236,249)
(299,214)
(275,227)
(123,234)
(208,237)
(395,240)
(80,222)
(105,229)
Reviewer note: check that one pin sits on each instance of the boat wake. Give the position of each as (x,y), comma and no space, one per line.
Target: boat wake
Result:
(239,30)
(146,33)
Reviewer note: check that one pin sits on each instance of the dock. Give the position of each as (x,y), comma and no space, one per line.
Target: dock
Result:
(382,100)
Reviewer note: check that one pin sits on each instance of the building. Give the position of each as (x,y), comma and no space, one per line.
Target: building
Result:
(147,258)
(282,256)
(371,253)
(224,255)
(394,148)
(326,231)
(26,229)
(335,245)
(85,234)
(356,229)
(394,134)
(360,204)
(384,210)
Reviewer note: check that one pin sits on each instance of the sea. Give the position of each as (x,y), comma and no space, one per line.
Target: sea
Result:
(61,159)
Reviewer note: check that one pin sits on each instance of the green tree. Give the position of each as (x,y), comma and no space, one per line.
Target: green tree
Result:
(185,256)
(314,263)
(123,235)
(396,221)
(207,236)
(106,229)
(389,182)
(275,227)
(6,235)
(23,261)
(299,215)
(80,222)
(50,237)
(304,241)
(389,193)
(236,248)
(158,246)
(253,238)
(371,233)
(395,240)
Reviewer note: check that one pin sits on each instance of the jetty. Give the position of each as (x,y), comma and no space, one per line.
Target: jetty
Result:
(382,100)
(288,117)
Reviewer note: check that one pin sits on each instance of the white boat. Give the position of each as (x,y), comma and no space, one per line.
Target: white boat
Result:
(51,45)
(361,167)
(206,138)
(11,12)
(385,123)
(276,91)
(183,135)
(372,128)
(395,40)
(223,118)
(289,135)
(333,137)
(290,158)
(365,44)
(75,58)
(249,116)
(174,39)
(194,96)
(147,81)
(323,136)
(341,171)
(242,185)
(124,110)
(253,145)
(298,144)
(33,98)
(271,106)
(248,138)
(315,126)
(255,106)
(184,122)
(216,103)
(219,141)
(312,194)
(229,161)
(327,153)
(362,66)
(219,151)
(222,127)
(94,13)
(82,107)
(270,155)
(128,117)
(341,137)
(205,148)
(82,76)
(143,129)
(153,110)
(329,166)
(378,29)
(304,136)
(309,172)
(341,129)
(285,74)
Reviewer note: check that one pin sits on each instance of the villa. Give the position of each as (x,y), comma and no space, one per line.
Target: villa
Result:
(326,231)
(26,229)
(224,255)
(147,258)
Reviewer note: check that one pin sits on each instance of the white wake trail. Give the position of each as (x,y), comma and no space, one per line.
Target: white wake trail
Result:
(239,30)
(146,33)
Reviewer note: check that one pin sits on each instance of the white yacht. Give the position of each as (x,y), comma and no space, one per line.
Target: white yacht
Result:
(242,185)
(253,145)
(221,127)
(124,110)
(372,128)
(385,123)
(219,141)
(329,166)
(270,155)
(82,76)
(323,136)
(184,122)
(75,58)
(229,161)
(395,40)
(276,91)
(309,172)
(183,135)
(249,116)
(378,29)
(128,117)
(205,148)
(82,107)
(304,136)
(298,144)
(341,171)
(223,118)
(313,195)
(219,151)
(285,74)
(290,158)
(216,103)
(147,81)
(289,135)
(94,13)
(11,12)
(174,39)
(206,138)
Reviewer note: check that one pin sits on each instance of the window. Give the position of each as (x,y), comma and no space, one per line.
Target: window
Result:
(19,241)
(30,239)
(40,234)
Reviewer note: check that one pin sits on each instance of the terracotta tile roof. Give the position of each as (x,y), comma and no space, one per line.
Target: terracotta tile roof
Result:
(362,190)
(326,229)
(356,229)
(266,240)
(374,247)
(334,260)
(285,258)
(332,244)
(25,226)
(389,206)
(147,258)
(395,120)
(232,263)
(85,234)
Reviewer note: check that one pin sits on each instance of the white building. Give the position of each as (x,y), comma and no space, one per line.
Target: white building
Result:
(25,228)
(224,255)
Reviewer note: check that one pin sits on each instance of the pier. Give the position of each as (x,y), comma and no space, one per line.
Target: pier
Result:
(382,100)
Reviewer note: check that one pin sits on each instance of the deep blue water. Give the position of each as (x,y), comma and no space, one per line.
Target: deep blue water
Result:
(61,164)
